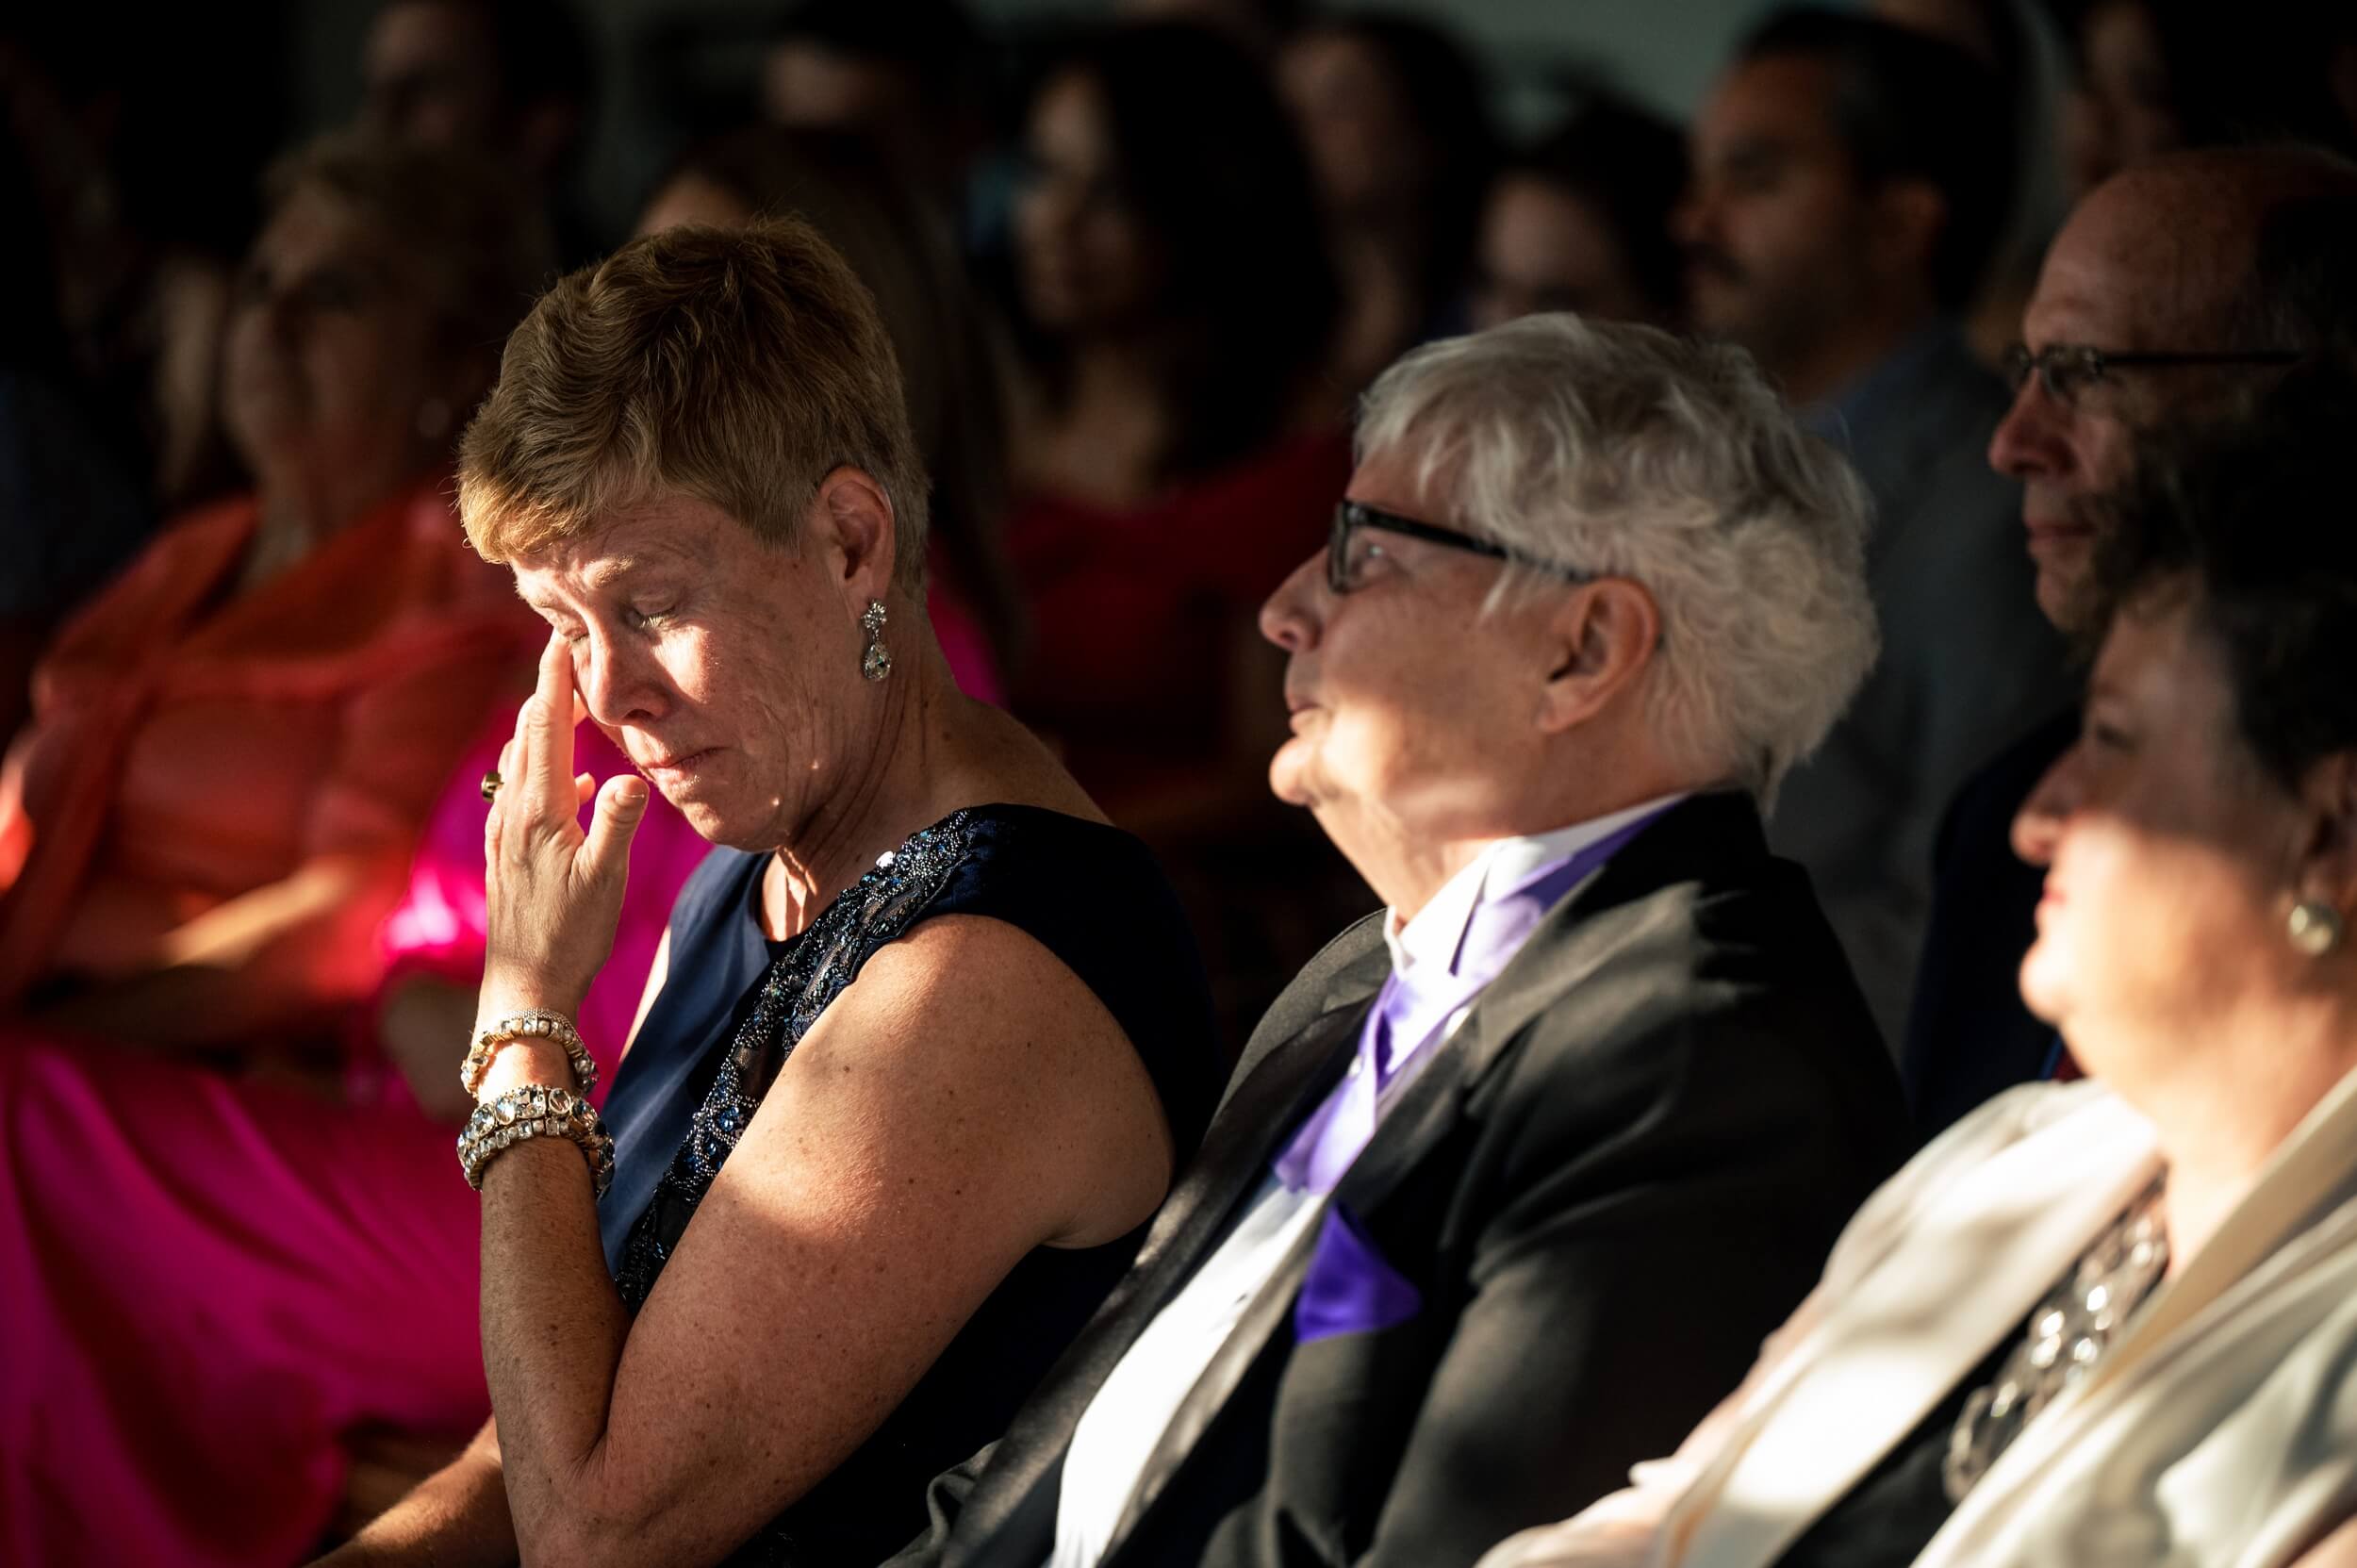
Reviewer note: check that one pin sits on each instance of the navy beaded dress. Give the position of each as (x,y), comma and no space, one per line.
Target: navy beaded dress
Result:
(734,1006)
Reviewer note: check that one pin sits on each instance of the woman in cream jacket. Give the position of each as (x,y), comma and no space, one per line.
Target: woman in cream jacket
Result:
(2113,1321)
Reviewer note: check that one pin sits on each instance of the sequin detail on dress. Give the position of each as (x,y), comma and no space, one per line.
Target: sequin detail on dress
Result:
(800,984)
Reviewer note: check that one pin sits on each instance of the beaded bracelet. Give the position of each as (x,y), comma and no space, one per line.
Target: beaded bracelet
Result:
(536,1111)
(552,1026)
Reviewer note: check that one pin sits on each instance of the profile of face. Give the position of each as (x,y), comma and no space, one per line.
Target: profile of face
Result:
(2119,111)
(333,361)
(725,666)
(1354,130)
(2171,859)
(1542,248)
(1775,225)
(2099,288)
(1407,701)
(431,77)
(1085,262)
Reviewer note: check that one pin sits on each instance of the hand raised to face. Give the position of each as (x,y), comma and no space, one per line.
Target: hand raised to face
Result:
(552,888)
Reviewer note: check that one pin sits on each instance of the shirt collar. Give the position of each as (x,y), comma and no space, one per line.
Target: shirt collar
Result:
(1438,929)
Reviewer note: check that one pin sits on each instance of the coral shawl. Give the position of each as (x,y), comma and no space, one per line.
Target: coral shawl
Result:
(192,743)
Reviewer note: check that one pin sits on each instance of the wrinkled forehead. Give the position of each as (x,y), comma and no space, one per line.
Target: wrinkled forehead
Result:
(2151,262)
(677,534)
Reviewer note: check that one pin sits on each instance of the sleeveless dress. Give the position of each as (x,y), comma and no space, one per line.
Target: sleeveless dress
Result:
(731,1010)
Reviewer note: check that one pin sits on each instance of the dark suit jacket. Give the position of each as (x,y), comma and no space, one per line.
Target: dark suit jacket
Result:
(1967,661)
(1570,1234)
(1969,1035)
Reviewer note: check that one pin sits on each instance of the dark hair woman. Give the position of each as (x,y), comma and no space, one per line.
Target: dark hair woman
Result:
(1177,302)
(1392,110)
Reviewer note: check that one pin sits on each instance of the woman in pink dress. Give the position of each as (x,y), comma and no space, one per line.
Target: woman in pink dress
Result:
(234,748)
(208,1283)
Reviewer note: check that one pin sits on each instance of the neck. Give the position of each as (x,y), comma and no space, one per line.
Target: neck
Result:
(304,504)
(1414,866)
(2223,1109)
(1119,374)
(910,773)
(1855,343)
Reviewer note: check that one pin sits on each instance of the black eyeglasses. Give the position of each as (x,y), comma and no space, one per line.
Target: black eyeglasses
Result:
(1347,552)
(2066,370)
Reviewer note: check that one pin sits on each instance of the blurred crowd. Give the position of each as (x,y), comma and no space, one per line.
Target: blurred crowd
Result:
(1137,270)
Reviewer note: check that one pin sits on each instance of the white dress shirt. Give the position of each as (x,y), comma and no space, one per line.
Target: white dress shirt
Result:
(1117,1433)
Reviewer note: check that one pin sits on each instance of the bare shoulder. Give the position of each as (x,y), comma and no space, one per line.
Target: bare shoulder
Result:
(985,1050)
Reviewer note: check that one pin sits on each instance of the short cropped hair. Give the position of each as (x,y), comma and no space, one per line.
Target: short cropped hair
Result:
(2248,520)
(1619,449)
(739,366)
(1909,106)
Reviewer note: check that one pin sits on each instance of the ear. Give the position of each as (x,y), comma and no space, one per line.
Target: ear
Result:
(1908,216)
(2326,868)
(851,525)
(1600,640)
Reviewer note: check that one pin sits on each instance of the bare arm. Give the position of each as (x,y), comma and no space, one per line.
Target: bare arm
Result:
(886,1187)
(456,1518)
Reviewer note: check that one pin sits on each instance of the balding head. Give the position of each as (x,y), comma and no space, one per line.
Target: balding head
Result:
(2220,250)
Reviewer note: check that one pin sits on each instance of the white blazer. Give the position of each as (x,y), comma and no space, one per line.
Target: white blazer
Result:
(2219,1432)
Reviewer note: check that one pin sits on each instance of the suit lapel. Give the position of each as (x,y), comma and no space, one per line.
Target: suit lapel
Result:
(1567,945)
(1277,1084)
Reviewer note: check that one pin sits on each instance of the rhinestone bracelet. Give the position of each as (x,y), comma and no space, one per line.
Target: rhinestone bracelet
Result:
(536,1111)
(550,1026)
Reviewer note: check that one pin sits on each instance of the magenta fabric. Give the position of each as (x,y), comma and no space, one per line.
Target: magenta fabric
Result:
(206,1281)
(438,926)
(202,1282)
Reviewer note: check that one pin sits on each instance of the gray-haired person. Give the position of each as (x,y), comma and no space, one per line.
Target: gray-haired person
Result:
(1513,1177)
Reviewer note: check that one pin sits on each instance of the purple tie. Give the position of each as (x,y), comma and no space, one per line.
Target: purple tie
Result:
(1411,1011)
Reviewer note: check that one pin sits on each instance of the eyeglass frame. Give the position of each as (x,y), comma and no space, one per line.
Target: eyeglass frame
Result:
(1352,516)
(2020,362)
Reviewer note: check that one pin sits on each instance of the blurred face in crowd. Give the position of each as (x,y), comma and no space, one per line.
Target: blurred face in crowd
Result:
(432,76)
(2119,111)
(808,86)
(1360,144)
(1087,265)
(691,198)
(1775,225)
(333,363)
(1407,701)
(1543,248)
(2169,856)
(2127,273)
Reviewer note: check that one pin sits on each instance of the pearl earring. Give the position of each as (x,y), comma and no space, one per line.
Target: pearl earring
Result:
(2315,927)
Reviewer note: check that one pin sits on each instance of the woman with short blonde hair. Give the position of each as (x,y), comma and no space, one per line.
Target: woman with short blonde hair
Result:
(928,1038)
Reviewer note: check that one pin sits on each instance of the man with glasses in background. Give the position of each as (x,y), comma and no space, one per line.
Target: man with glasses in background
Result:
(2174,290)
(1512,1178)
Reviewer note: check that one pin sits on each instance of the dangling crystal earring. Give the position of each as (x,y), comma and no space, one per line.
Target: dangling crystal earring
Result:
(876,663)
(2316,927)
